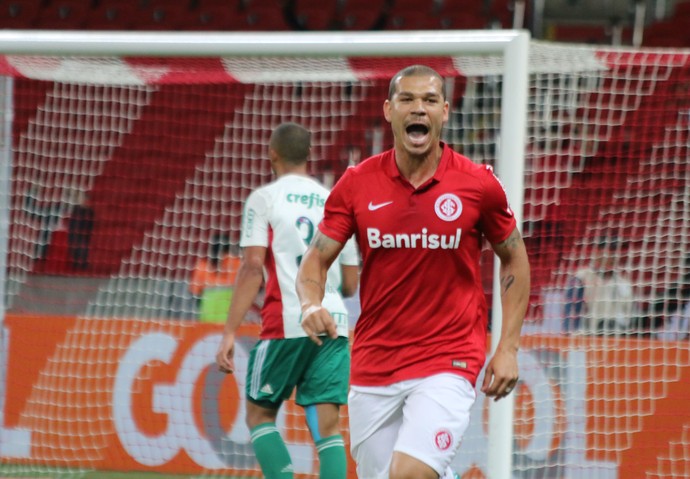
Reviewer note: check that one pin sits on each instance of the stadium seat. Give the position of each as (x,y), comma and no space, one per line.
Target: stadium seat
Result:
(230,4)
(252,4)
(163,16)
(471,15)
(578,33)
(111,15)
(422,7)
(20,14)
(64,15)
(363,14)
(681,10)
(503,12)
(315,15)
(411,20)
(362,19)
(348,5)
(212,17)
(265,18)
(666,34)
(309,4)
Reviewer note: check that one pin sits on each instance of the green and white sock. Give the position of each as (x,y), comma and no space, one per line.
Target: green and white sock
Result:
(332,459)
(271,452)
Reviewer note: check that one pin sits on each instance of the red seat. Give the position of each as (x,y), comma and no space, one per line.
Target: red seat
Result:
(411,20)
(20,14)
(213,17)
(362,19)
(422,7)
(112,15)
(378,5)
(260,4)
(308,4)
(163,17)
(230,4)
(682,10)
(265,18)
(462,21)
(64,15)
(314,16)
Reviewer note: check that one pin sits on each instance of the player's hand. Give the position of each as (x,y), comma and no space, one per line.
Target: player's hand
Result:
(316,321)
(225,357)
(501,375)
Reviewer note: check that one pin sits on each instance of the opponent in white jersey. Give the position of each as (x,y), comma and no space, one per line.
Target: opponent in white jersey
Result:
(278,223)
(283,216)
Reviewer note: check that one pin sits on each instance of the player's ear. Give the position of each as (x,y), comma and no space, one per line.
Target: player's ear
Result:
(274,158)
(387,110)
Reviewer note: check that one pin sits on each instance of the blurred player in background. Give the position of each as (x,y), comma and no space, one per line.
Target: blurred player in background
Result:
(600,298)
(213,279)
(279,221)
(420,212)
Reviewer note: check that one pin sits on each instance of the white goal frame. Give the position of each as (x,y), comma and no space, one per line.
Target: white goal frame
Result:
(513,45)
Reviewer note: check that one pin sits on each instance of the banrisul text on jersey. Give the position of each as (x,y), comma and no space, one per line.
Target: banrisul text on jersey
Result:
(423,240)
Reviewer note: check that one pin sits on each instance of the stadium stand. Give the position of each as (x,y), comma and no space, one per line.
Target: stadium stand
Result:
(337,14)
(310,15)
(315,14)
(363,14)
(671,31)
(210,16)
(20,13)
(163,16)
(63,15)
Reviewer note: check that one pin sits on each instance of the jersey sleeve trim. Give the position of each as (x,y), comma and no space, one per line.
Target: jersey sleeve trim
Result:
(498,220)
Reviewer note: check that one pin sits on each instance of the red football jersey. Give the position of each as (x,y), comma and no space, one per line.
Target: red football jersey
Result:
(423,306)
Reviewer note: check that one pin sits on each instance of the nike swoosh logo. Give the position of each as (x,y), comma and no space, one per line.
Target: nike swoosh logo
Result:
(373,207)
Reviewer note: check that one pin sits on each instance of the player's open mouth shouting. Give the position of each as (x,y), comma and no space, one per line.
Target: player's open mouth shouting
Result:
(417,133)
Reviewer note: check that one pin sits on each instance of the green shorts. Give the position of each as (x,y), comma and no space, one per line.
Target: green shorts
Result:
(321,374)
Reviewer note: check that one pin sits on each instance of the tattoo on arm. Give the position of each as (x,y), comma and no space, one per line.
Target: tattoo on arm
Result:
(511,241)
(507,282)
(320,242)
(313,281)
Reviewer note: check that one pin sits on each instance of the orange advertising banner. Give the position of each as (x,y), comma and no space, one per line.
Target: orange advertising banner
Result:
(133,395)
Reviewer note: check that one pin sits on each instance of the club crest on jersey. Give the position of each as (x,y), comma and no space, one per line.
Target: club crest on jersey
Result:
(443,439)
(448,207)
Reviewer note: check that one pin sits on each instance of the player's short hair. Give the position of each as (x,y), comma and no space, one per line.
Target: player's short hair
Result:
(292,142)
(414,70)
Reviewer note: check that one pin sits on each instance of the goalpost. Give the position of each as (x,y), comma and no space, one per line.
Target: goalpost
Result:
(108,367)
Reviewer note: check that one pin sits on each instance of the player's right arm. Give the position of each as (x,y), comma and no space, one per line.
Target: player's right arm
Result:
(247,286)
(311,286)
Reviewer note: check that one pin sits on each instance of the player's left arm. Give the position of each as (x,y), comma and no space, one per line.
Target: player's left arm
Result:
(502,371)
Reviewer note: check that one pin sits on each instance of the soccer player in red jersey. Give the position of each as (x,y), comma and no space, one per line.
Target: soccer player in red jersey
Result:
(420,212)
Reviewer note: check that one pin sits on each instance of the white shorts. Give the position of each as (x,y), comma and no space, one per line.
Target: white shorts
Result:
(423,418)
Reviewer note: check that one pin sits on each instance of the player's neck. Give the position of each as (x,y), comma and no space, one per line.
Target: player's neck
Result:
(302,170)
(418,169)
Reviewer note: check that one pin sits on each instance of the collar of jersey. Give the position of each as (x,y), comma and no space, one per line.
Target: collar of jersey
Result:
(392,169)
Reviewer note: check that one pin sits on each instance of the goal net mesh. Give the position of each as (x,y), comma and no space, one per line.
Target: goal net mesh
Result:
(107,364)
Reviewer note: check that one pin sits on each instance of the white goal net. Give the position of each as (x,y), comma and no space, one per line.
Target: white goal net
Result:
(107,357)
